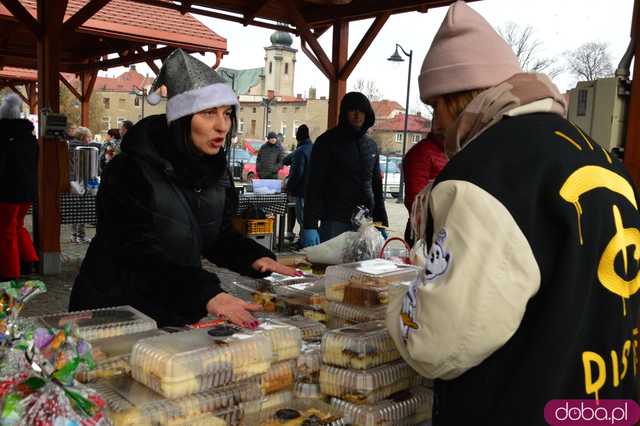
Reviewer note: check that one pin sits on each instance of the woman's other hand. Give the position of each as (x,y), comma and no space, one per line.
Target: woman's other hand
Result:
(266,264)
(233,309)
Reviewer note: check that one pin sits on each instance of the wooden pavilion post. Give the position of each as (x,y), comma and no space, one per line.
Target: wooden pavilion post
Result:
(87,80)
(632,145)
(338,84)
(53,153)
(32,97)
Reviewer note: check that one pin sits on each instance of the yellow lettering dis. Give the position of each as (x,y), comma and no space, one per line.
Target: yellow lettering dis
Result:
(625,358)
(591,386)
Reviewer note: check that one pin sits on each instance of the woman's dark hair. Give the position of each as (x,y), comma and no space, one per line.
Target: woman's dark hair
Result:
(114,133)
(127,124)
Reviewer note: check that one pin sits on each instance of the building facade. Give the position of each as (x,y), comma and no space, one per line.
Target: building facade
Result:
(388,132)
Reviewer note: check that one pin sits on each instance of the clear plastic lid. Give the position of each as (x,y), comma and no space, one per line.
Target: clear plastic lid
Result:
(276,399)
(359,346)
(367,386)
(365,283)
(131,403)
(302,412)
(303,288)
(286,340)
(407,407)
(309,363)
(311,330)
(101,323)
(356,314)
(193,361)
(308,390)
(112,354)
(281,376)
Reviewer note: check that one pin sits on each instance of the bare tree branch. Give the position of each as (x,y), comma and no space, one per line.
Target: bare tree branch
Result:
(527,49)
(369,88)
(590,61)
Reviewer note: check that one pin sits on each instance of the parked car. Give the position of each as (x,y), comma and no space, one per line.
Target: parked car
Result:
(390,176)
(253,145)
(249,171)
(237,160)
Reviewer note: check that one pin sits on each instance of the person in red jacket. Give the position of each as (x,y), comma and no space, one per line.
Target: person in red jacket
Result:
(422,164)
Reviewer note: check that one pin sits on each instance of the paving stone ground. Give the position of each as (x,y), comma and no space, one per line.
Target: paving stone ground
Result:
(59,286)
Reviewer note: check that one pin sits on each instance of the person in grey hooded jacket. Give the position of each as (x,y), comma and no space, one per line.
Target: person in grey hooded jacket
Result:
(270,158)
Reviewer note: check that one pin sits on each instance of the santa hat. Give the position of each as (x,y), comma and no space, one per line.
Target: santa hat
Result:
(192,86)
(466,54)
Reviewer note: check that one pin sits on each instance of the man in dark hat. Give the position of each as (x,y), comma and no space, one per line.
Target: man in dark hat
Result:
(344,174)
(270,158)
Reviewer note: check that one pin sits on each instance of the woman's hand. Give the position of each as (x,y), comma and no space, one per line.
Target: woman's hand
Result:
(233,309)
(266,264)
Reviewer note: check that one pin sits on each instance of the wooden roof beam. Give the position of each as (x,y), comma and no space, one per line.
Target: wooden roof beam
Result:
(84,14)
(306,34)
(128,60)
(313,58)
(253,10)
(21,14)
(364,44)
(71,88)
(322,15)
(219,15)
(17,92)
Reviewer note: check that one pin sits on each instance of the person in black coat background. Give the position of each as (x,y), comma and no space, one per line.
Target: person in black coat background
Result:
(18,183)
(165,202)
(344,173)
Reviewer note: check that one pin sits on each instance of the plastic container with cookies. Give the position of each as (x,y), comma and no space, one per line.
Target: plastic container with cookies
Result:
(359,346)
(286,340)
(309,363)
(308,391)
(281,376)
(188,362)
(367,386)
(111,355)
(365,283)
(132,404)
(302,412)
(276,399)
(100,323)
(311,330)
(352,314)
(404,408)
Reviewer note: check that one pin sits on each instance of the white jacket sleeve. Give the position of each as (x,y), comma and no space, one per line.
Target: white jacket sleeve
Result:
(472,295)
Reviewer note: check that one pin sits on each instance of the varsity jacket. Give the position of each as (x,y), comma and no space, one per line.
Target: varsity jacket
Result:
(530,292)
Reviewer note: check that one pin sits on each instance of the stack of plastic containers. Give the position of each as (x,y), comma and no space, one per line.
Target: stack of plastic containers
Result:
(301,412)
(100,323)
(361,366)
(112,355)
(312,330)
(132,404)
(406,408)
(357,292)
(308,372)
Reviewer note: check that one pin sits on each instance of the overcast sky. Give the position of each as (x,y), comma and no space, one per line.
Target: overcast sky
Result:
(560,25)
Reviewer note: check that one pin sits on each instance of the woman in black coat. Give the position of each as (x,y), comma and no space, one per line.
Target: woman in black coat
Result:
(18,175)
(165,202)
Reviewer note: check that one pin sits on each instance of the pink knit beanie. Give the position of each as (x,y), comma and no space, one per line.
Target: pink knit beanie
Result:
(466,54)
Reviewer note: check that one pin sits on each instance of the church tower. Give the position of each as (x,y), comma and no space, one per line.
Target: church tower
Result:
(279,64)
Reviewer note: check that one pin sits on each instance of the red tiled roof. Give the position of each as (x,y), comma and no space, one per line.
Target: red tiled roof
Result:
(415,124)
(125,82)
(289,99)
(385,107)
(131,20)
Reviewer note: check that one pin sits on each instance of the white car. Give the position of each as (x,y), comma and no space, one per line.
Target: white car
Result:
(390,177)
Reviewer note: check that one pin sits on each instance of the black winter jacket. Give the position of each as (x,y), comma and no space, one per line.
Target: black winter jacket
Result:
(345,170)
(299,165)
(18,161)
(152,232)
(269,161)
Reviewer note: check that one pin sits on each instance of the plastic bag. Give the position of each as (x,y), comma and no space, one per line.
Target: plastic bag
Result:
(367,241)
(330,252)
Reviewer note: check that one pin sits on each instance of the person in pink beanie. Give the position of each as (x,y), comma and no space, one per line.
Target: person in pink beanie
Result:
(530,288)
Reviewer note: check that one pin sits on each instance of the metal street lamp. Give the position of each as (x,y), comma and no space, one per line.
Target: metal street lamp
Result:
(397,58)
(266,103)
(142,93)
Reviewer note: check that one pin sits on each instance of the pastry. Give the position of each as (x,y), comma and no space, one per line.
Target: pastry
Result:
(279,377)
(302,413)
(312,330)
(268,301)
(360,346)
(366,387)
(286,340)
(308,364)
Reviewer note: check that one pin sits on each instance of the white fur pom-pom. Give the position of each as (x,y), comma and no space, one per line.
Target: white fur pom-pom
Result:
(154,97)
